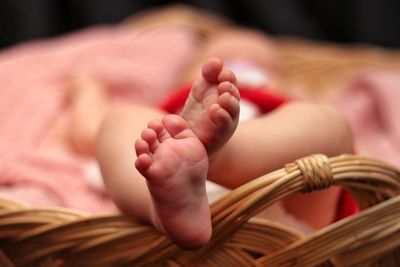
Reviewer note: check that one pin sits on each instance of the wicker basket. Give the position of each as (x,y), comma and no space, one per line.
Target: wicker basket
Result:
(61,237)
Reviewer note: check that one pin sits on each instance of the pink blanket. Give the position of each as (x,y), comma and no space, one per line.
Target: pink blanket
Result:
(371,103)
(33,82)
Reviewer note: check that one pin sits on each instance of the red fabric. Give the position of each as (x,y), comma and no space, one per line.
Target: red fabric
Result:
(266,101)
(346,206)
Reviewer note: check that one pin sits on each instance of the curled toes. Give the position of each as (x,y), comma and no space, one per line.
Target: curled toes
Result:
(227,87)
(229,103)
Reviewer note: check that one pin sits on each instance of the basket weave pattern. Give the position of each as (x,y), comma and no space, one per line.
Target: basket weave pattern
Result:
(61,237)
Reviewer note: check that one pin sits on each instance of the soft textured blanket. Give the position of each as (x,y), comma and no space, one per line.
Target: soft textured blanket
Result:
(33,82)
(371,104)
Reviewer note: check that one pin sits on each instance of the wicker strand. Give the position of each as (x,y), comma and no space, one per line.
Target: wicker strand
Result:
(60,237)
(4,260)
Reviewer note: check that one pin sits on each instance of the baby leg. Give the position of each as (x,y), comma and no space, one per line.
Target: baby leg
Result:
(116,156)
(89,103)
(267,143)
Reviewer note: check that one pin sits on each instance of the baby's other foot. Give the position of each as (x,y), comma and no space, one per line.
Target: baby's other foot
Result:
(212,109)
(175,164)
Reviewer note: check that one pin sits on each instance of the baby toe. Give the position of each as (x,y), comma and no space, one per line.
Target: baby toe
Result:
(150,136)
(226,75)
(141,147)
(230,104)
(155,125)
(177,127)
(143,162)
(211,70)
(228,87)
(159,129)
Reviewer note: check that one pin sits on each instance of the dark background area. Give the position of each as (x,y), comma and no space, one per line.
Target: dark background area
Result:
(346,21)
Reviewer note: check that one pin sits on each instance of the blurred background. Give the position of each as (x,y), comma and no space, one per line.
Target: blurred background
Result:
(345,21)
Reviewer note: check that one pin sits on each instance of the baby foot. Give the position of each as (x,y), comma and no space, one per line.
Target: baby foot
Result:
(212,108)
(175,163)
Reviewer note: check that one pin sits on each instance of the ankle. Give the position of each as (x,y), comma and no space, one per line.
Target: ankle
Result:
(218,171)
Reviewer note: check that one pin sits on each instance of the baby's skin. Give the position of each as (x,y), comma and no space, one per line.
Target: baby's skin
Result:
(173,155)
